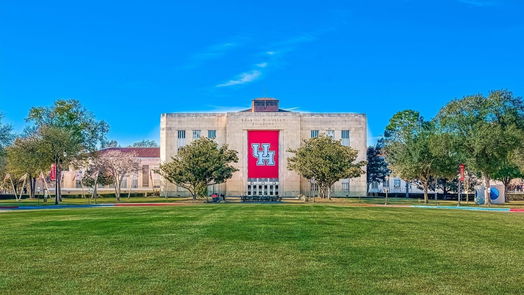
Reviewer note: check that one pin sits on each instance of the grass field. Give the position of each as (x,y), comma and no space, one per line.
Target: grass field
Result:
(262,249)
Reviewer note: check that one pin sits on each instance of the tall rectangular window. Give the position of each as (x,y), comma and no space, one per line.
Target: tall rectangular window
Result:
(145,176)
(212,134)
(314,133)
(330,133)
(314,187)
(344,134)
(345,187)
(196,134)
(181,135)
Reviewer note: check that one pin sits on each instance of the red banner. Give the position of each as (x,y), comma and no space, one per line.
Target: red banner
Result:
(262,159)
(461,172)
(53,172)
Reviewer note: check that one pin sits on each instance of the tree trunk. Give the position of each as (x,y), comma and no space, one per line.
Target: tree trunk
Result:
(15,191)
(506,184)
(95,190)
(407,189)
(425,192)
(32,187)
(329,192)
(58,186)
(117,189)
(487,197)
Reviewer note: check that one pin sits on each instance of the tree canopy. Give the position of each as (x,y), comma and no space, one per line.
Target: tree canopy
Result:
(324,160)
(486,131)
(6,137)
(200,164)
(415,150)
(145,143)
(377,167)
(67,132)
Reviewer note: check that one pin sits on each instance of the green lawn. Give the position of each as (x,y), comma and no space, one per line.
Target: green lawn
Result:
(262,249)
(337,201)
(85,201)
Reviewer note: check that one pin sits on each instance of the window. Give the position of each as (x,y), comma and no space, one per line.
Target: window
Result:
(145,176)
(314,187)
(134,182)
(314,133)
(344,134)
(396,183)
(181,138)
(330,133)
(124,182)
(196,134)
(212,134)
(345,186)
(386,182)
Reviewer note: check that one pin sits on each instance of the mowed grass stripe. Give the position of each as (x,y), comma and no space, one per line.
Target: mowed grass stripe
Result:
(263,249)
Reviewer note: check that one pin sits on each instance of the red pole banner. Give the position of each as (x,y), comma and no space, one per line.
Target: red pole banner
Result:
(53,172)
(262,146)
(461,171)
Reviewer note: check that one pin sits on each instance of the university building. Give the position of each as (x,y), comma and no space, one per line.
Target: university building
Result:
(142,180)
(262,135)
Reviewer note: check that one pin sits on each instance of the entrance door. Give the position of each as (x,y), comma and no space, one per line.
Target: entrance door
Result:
(262,187)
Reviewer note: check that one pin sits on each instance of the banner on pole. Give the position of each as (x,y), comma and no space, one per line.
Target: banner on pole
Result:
(53,172)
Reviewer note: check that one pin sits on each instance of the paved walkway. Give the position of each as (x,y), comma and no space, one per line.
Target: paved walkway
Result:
(43,207)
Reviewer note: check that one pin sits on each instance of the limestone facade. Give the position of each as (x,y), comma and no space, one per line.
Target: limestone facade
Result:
(231,128)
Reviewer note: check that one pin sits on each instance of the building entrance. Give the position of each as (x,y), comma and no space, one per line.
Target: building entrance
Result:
(262,187)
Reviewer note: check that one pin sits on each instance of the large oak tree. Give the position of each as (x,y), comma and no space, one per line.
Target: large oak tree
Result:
(68,131)
(487,131)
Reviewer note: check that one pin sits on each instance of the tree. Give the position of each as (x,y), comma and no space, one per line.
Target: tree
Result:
(408,149)
(25,159)
(109,144)
(94,175)
(199,165)
(487,130)
(324,160)
(118,164)
(68,132)
(377,167)
(517,158)
(145,143)
(6,137)
(508,171)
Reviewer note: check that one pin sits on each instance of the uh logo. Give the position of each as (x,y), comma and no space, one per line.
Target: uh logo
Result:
(264,156)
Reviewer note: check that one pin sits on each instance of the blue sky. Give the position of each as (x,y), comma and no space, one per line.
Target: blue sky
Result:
(130,61)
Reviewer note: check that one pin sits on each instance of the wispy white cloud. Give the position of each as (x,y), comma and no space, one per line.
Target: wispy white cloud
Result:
(262,65)
(479,3)
(242,78)
(270,57)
